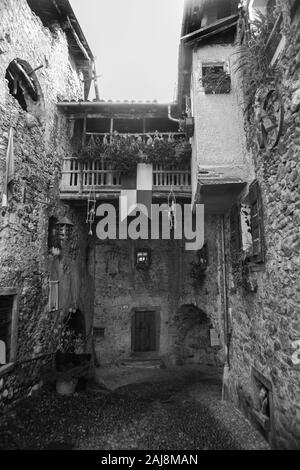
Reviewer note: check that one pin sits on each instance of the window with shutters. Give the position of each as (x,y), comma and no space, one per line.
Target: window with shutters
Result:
(257,228)
(246,229)
(8,325)
(235,242)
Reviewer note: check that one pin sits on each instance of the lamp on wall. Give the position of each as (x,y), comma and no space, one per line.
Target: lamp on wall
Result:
(63,228)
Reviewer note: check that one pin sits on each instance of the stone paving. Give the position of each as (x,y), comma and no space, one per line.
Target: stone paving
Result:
(165,409)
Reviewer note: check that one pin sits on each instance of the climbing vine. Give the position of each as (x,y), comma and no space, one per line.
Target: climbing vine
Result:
(252,59)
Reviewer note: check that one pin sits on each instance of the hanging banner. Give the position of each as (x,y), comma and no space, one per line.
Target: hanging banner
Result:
(136,189)
(10,167)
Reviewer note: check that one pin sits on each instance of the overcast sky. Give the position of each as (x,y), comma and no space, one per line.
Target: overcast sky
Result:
(136,45)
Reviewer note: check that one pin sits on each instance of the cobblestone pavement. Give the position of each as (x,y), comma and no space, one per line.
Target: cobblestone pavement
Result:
(179,409)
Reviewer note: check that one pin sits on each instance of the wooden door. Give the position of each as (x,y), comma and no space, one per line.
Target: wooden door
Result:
(144,331)
(6,306)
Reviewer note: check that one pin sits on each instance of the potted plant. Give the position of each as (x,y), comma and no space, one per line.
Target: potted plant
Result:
(71,363)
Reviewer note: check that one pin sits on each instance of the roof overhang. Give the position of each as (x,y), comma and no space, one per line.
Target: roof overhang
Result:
(218,196)
(60,11)
(213,29)
(219,187)
(106,109)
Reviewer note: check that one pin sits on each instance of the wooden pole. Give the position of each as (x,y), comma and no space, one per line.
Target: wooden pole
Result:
(96,81)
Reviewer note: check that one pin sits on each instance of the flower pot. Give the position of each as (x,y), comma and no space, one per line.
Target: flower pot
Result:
(66,387)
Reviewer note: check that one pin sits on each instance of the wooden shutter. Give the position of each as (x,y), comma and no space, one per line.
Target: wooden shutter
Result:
(235,230)
(257,232)
(6,305)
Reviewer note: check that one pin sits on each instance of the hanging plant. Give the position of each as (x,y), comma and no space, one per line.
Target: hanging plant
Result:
(216,80)
(160,152)
(123,153)
(183,153)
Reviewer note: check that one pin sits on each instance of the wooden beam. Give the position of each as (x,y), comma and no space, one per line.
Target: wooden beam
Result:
(95,78)
(79,43)
(212,33)
(91,115)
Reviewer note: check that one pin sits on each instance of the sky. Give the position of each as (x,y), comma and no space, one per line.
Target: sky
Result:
(135,43)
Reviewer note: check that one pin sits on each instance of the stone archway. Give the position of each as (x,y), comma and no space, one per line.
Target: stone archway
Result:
(193,336)
(76,322)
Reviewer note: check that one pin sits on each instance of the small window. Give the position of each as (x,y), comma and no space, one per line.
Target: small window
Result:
(8,310)
(216,78)
(99,332)
(262,401)
(143,258)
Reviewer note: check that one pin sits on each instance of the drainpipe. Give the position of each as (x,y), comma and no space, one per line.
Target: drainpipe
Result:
(170,117)
(225,296)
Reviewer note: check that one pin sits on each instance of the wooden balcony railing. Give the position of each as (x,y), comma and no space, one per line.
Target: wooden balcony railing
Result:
(82,177)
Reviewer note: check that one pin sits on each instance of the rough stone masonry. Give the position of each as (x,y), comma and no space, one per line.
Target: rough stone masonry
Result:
(42,138)
(266,316)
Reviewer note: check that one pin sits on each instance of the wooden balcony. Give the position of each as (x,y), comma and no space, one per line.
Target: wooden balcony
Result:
(79,178)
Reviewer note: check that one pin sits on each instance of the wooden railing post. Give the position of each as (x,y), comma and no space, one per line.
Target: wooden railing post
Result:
(80,177)
(65,181)
(109,175)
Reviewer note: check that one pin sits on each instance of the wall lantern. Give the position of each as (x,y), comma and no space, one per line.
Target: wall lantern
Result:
(63,228)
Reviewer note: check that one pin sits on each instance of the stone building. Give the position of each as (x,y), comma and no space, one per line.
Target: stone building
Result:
(44,57)
(229,143)
(130,299)
(243,86)
(147,305)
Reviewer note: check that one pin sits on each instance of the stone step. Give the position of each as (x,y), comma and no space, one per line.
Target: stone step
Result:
(142,363)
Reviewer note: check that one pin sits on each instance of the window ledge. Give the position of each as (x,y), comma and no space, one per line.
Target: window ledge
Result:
(6,368)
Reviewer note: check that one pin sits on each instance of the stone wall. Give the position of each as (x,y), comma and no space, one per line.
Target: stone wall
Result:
(186,308)
(41,140)
(266,321)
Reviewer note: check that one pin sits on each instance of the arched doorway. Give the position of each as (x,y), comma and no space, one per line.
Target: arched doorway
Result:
(193,340)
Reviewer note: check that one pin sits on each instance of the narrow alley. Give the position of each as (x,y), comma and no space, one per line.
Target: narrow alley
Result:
(166,409)
(149,244)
